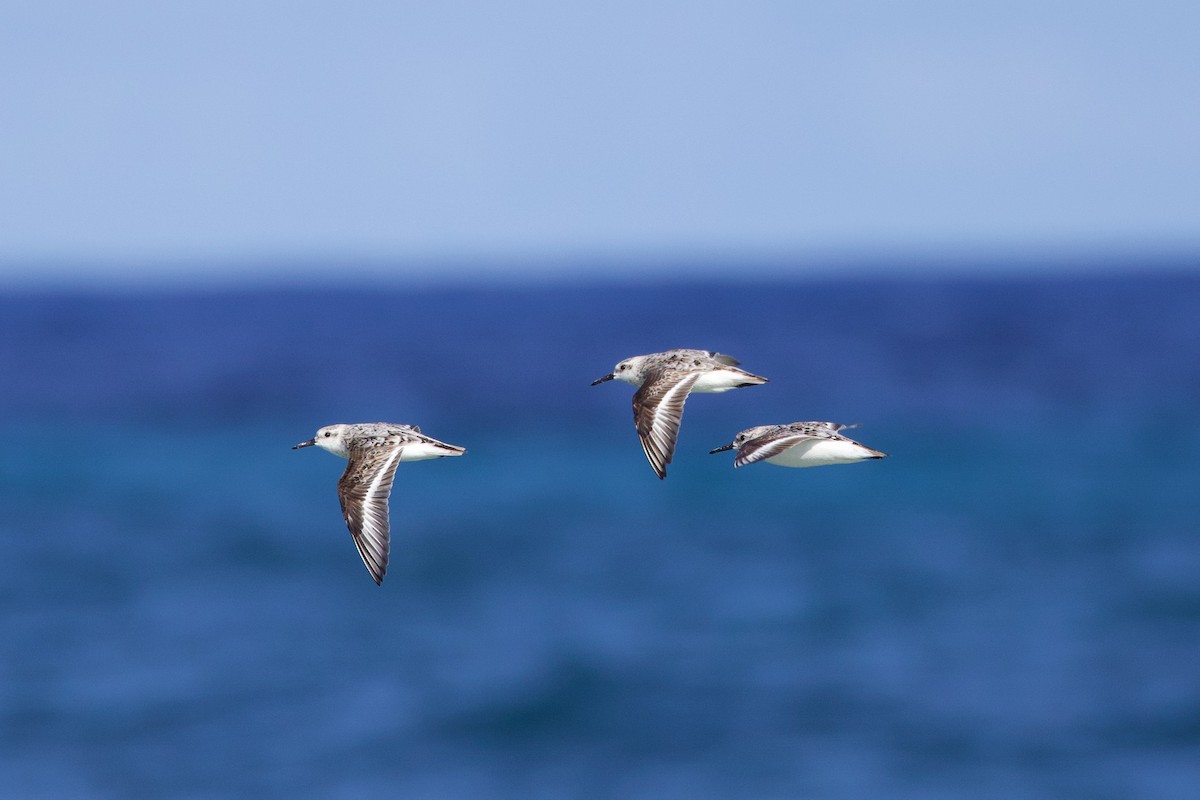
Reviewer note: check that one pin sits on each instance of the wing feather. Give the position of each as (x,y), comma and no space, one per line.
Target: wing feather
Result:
(767,446)
(364,490)
(658,412)
(783,437)
(721,358)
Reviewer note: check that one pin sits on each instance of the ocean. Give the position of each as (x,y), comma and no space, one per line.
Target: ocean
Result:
(1007,607)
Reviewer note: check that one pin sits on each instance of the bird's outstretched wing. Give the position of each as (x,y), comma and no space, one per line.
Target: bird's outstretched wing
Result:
(364,490)
(767,446)
(657,412)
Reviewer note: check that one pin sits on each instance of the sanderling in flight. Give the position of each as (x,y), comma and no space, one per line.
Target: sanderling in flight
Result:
(374,450)
(665,379)
(798,444)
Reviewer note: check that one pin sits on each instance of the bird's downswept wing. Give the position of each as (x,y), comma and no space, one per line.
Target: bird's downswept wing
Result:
(774,442)
(767,446)
(657,413)
(364,490)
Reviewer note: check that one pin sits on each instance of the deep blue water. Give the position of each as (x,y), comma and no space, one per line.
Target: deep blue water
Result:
(1008,607)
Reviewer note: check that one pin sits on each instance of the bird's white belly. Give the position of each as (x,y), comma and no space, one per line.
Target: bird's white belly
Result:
(819,453)
(718,381)
(421,451)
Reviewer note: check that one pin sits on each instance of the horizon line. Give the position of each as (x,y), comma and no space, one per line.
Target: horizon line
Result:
(282,269)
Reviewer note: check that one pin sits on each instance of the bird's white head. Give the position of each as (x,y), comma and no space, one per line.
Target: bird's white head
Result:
(752,433)
(743,437)
(631,370)
(331,438)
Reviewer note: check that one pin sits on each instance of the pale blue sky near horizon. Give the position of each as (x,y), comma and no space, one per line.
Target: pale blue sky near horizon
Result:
(157,141)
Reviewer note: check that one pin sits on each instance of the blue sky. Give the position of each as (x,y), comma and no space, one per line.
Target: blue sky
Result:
(143,139)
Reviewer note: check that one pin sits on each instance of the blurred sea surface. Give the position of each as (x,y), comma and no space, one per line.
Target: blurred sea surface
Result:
(1007,607)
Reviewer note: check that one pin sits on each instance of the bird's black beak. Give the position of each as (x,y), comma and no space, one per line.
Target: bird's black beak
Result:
(309,443)
(607,377)
(724,447)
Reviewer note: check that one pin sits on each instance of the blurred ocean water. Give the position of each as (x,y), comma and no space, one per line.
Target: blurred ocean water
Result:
(1008,607)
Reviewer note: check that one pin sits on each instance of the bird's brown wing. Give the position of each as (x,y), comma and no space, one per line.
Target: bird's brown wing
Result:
(657,412)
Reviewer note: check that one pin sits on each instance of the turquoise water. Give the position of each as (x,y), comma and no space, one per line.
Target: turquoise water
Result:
(1007,607)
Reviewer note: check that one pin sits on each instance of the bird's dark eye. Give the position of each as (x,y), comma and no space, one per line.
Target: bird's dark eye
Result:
(328,434)
(623,366)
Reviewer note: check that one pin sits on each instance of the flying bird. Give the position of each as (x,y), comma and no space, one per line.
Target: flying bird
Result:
(798,444)
(665,380)
(374,450)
